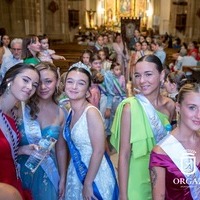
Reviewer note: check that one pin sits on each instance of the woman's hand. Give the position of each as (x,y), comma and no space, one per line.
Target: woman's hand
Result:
(88,192)
(27,149)
(61,189)
(107,113)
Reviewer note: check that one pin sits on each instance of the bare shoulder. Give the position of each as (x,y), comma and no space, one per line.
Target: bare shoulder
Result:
(93,113)
(168,106)
(61,116)
(127,108)
(168,102)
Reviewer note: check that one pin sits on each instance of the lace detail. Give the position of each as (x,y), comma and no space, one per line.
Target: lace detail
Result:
(104,179)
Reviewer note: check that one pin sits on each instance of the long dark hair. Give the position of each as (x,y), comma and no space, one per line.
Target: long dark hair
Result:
(26,41)
(10,76)
(12,73)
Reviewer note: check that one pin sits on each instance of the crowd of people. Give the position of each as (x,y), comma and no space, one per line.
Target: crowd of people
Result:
(88,112)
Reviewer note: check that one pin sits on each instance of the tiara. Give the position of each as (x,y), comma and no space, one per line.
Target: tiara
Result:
(81,65)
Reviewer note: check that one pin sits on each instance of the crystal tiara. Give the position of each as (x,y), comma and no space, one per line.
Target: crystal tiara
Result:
(81,65)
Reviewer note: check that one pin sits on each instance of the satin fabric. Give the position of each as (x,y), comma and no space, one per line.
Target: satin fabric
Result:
(175,189)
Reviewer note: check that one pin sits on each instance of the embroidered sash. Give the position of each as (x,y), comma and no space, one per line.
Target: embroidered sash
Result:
(9,139)
(102,89)
(186,163)
(80,167)
(33,134)
(158,129)
(119,89)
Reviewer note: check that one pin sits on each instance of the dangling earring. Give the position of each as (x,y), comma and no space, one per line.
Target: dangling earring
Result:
(177,117)
(8,88)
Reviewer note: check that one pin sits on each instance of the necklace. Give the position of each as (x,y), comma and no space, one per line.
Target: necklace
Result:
(14,140)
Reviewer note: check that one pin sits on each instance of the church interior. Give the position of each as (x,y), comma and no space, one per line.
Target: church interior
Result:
(71,21)
(72,27)
(61,20)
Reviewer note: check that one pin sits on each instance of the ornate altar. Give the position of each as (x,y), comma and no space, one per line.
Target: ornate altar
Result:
(117,9)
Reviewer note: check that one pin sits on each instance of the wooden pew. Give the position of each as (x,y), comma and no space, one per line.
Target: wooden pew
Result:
(68,48)
(194,70)
(71,55)
(64,64)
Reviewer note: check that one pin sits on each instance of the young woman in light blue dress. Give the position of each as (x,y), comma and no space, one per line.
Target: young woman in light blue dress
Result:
(43,118)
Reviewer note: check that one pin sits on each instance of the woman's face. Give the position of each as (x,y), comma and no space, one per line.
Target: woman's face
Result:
(6,40)
(48,84)
(117,70)
(86,58)
(102,55)
(118,39)
(138,46)
(147,77)
(35,46)
(169,86)
(144,46)
(24,84)
(96,64)
(76,85)
(189,111)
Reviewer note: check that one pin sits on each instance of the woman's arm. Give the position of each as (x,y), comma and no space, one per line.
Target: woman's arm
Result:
(158,183)
(97,138)
(157,175)
(61,155)
(124,152)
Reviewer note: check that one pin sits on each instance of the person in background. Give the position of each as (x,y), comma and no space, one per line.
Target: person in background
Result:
(109,45)
(119,95)
(19,84)
(145,48)
(42,117)
(106,63)
(174,81)
(156,47)
(4,47)
(134,39)
(174,162)
(100,45)
(122,54)
(95,93)
(14,58)
(86,57)
(106,89)
(90,173)
(30,50)
(142,39)
(193,51)
(46,54)
(138,53)
(140,122)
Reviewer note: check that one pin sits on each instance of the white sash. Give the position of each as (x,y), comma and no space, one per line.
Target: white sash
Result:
(9,139)
(186,163)
(33,134)
(157,127)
